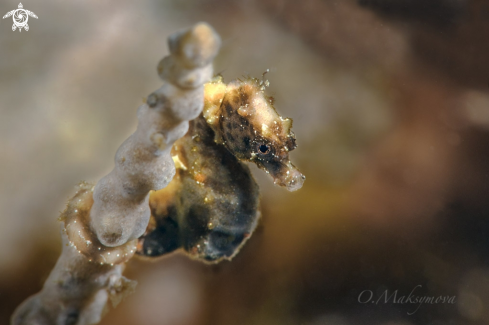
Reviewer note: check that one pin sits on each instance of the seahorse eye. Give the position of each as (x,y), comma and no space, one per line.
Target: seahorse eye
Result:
(264,149)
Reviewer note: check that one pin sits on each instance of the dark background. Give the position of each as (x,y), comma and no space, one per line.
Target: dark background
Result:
(390,101)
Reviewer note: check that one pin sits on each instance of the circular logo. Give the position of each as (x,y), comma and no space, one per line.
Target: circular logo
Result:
(20,17)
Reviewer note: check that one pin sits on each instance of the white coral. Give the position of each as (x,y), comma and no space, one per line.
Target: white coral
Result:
(120,212)
(79,286)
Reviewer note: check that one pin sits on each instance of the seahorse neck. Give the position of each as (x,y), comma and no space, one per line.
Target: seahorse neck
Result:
(214,93)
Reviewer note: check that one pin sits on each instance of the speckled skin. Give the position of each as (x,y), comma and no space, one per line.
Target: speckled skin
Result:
(252,130)
(211,206)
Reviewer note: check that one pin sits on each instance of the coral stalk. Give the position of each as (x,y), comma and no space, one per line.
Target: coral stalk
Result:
(120,212)
(102,223)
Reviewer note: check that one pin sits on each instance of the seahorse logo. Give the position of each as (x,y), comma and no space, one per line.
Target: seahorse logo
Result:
(20,17)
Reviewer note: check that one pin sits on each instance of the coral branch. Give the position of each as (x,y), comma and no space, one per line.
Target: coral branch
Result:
(76,291)
(120,211)
(102,223)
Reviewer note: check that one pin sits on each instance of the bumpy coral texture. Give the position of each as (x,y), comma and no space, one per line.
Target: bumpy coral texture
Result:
(102,223)
(120,211)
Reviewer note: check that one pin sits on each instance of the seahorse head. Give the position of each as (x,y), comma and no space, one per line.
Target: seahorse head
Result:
(246,122)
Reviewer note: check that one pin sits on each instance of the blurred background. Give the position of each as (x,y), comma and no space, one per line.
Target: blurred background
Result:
(390,102)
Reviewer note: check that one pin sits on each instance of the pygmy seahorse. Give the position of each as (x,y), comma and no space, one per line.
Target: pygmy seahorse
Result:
(210,208)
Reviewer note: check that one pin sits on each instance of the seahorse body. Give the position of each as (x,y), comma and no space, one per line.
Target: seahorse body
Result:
(211,206)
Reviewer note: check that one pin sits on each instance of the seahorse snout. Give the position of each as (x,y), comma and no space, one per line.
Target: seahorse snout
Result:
(286,175)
